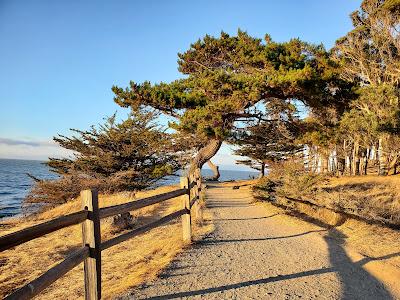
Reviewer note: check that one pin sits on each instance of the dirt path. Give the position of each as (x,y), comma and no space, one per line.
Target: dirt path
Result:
(257,254)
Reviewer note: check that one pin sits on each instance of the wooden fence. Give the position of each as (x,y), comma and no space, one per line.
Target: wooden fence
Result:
(90,252)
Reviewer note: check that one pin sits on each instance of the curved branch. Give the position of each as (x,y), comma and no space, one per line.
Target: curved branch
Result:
(205,154)
(215,170)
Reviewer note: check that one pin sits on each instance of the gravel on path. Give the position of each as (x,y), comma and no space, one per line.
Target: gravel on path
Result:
(257,254)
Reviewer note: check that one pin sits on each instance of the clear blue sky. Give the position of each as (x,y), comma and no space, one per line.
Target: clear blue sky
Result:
(59,59)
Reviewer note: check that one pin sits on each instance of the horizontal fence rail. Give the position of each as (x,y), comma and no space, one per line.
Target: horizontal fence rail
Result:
(89,218)
(16,238)
(39,284)
(126,207)
(141,230)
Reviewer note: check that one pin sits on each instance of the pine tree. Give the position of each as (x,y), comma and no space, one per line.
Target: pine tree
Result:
(228,77)
(130,155)
(269,141)
(370,56)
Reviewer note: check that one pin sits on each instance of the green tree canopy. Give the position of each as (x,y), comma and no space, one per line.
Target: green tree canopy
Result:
(265,142)
(370,53)
(226,77)
(130,155)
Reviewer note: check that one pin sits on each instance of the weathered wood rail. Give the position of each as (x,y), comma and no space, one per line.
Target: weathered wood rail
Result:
(90,252)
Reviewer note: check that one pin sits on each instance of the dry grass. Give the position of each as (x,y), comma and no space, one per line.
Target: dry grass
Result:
(123,266)
(371,197)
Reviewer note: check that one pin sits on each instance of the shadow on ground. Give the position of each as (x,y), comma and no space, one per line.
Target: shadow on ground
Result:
(352,275)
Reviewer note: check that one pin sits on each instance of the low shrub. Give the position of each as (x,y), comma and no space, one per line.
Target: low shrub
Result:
(289,179)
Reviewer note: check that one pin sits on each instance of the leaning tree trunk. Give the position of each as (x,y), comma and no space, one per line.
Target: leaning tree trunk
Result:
(215,170)
(205,154)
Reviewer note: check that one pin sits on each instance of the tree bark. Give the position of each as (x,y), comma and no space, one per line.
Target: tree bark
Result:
(367,153)
(382,159)
(215,170)
(356,158)
(350,164)
(324,162)
(345,159)
(341,165)
(205,154)
(393,164)
(262,170)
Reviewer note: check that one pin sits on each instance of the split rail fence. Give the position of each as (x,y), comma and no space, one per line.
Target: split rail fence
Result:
(92,246)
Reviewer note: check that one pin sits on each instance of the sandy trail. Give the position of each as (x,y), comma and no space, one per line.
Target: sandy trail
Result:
(257,254)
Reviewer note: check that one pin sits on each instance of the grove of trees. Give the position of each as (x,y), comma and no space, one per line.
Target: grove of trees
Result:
(360,134)
(245,91)
(234,81)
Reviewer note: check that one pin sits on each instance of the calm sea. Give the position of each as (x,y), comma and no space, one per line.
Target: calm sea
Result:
(15,183)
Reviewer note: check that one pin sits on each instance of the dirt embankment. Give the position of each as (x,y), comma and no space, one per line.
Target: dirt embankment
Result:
(368,197)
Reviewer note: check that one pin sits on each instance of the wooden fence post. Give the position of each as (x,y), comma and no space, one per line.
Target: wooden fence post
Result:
(195,195)
(199,212)
(91,237)
(186,218)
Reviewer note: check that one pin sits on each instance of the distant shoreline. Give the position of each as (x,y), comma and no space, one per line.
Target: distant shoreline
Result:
(221,167)
(24,159)
(15,184)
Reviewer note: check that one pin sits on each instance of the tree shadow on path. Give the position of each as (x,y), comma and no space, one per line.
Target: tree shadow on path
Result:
(214,242)
(244,219)
(356,283)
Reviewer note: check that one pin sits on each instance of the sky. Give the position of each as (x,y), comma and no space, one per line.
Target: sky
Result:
(59,59)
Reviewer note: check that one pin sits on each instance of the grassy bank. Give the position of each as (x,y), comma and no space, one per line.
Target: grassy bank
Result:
(123,266)
(373,198)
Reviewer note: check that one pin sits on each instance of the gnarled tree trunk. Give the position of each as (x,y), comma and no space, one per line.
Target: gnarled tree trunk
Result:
(205,154)
(214,169)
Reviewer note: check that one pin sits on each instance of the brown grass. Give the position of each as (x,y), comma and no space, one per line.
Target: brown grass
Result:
(123,266)
(372,197)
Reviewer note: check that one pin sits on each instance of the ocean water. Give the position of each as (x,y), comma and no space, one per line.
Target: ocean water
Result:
(226,175)
(15,183)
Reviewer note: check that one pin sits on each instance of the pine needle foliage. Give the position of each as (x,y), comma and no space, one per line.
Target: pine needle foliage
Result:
(126,156)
